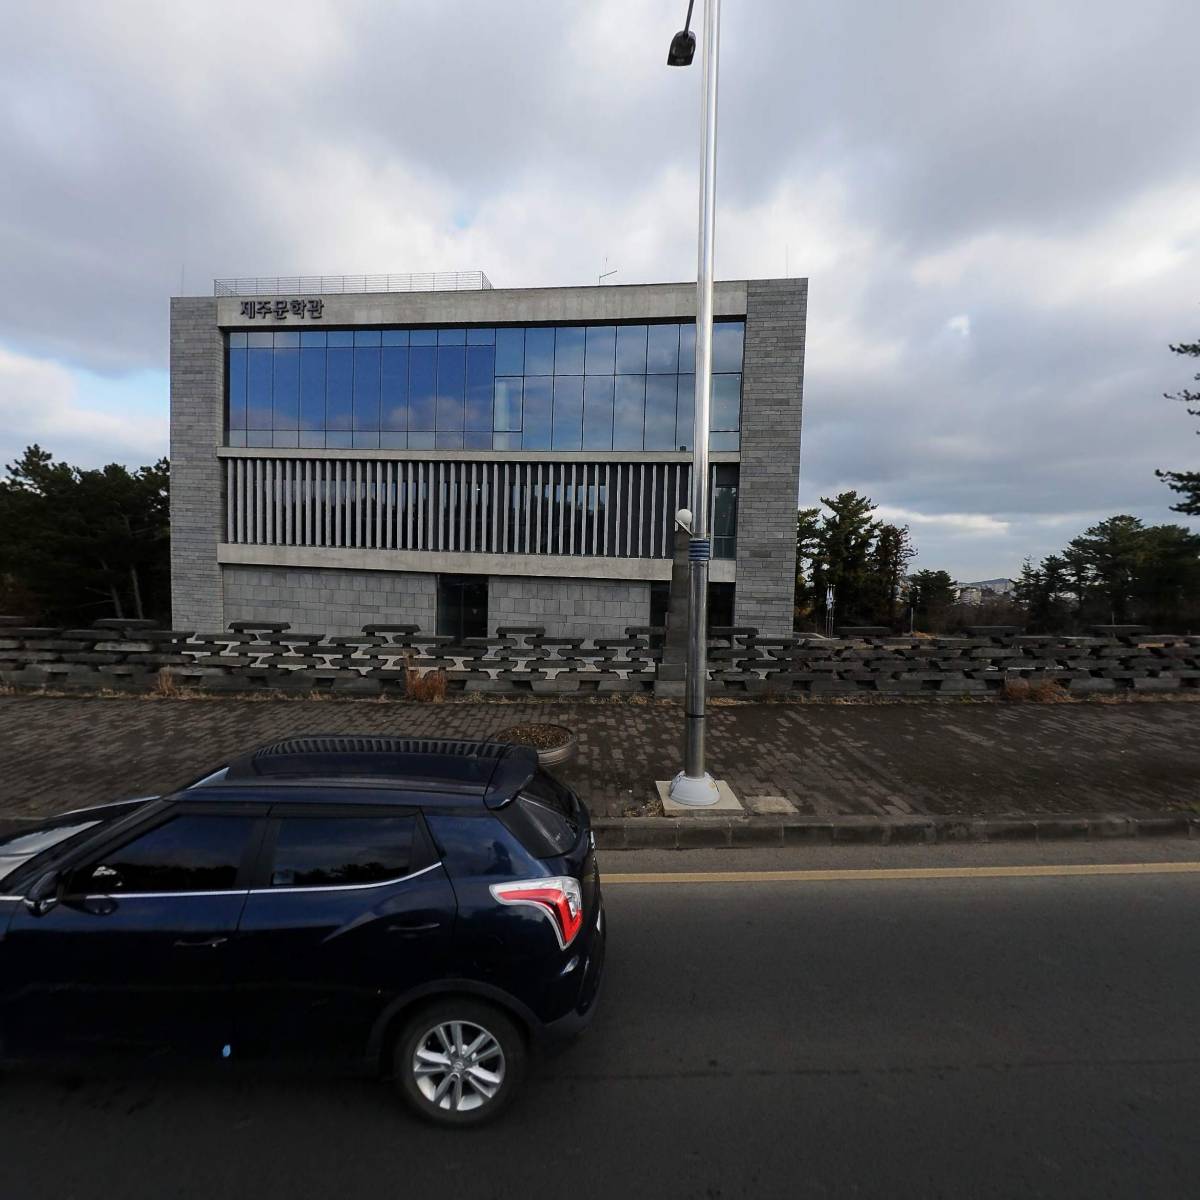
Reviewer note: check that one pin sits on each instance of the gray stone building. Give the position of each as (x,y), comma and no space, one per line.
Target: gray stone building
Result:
(434,451)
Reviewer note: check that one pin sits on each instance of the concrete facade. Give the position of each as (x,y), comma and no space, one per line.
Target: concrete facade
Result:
(583,608)
(772,405)
(340,588)
(197,430)
(330,601)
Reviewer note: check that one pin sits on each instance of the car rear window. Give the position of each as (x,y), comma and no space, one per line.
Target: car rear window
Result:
(342,851)
(543,816)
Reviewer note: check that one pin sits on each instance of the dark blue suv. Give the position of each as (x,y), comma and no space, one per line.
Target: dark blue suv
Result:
(430,909)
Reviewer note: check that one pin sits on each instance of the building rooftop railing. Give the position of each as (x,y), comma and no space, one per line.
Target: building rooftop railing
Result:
(330,285)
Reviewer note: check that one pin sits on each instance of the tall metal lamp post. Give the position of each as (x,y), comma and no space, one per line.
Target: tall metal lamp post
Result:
(693,785)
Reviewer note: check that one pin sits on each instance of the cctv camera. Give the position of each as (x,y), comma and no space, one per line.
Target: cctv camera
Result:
(683,49)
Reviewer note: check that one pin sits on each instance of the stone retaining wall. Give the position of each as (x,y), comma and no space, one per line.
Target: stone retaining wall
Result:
(138,656)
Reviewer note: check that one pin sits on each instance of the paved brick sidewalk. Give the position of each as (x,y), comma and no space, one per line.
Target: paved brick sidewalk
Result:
(830,760)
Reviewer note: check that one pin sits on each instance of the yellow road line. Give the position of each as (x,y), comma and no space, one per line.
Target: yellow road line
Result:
(846,876)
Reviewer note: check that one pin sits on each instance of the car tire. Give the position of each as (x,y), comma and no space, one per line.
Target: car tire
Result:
(481,1050)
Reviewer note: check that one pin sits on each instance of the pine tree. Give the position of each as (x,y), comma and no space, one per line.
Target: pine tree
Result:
(1186,483)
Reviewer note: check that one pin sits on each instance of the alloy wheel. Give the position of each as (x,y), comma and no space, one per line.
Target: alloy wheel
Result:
(458,1066)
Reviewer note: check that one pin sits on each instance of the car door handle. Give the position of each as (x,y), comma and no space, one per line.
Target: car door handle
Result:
(203,944)
(413,926)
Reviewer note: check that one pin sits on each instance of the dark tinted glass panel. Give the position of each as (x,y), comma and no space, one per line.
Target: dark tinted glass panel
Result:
(598,412)
(685,421)
(629,412)
(188,854)
(452,337)
(366,387)
(395,337)
(631,349)
(422,382)
(660,412)
(480,386)
(341,337)
(451,387)
(568,351)
(539,351)
(336,852)
(312,388)
(727,345)
(510,351)
(507,411)
(237,386)
(481,337)
(687,349)
(286,389)
(462,603)
(258,388)
(662,349)
(568,412)
(600,354)
(339,377)
(393,405)
(726,402)
(724,520)
(422,337)
(535,418)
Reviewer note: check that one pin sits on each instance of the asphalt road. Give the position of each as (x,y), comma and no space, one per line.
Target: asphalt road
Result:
(967,1036)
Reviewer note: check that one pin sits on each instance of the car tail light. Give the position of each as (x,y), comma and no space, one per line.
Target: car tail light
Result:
(558,897)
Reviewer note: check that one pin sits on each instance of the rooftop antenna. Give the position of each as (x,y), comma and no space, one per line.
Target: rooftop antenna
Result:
(604,275)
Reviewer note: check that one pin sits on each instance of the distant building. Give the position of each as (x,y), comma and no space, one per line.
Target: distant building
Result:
(436,452)
(983,591)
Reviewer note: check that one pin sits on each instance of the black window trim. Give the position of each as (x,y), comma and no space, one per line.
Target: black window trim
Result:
(425,856)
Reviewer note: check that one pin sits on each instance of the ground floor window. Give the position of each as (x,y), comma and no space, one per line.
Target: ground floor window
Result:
(660,602)
(462,605)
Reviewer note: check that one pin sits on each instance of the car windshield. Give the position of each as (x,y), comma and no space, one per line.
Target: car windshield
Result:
(25,845)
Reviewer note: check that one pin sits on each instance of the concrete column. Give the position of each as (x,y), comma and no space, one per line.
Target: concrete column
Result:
(772,401)
(197,429)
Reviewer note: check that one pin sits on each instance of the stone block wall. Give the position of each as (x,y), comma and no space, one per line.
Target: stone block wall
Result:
(327,600)
(567,607)
(772,403)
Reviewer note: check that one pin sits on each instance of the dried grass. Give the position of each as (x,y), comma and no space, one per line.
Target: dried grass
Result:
(166,686)
(1041,691)
(427,687)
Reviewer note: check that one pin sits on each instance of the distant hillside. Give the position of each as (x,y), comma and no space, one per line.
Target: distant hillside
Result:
(1000,586)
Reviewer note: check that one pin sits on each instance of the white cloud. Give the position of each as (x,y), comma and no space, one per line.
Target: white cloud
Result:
(41,401)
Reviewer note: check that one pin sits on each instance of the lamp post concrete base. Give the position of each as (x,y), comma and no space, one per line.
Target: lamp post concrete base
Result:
(681,796)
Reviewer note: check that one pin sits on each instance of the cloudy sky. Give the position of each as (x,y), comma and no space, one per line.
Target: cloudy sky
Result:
(998,207)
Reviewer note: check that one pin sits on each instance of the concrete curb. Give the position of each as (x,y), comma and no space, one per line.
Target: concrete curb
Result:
(689,833)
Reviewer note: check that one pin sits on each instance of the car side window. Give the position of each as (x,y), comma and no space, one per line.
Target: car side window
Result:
(341,851)
(185,854)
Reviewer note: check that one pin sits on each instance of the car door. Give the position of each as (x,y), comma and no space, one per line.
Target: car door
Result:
(133,956)
(350,909)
